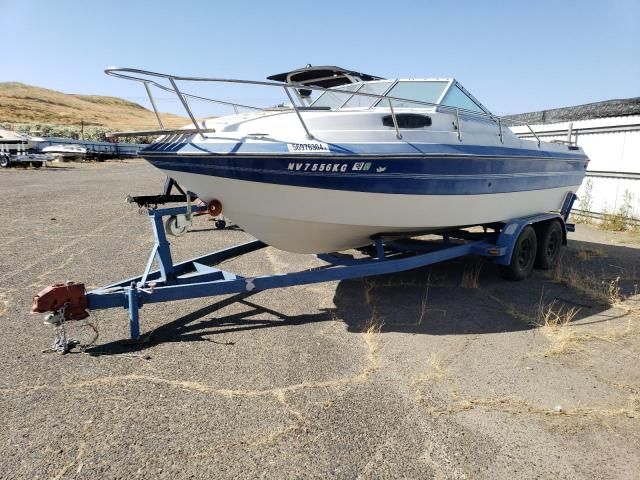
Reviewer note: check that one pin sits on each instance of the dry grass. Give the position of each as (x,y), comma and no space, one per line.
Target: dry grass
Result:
(555,323)
(371,333)
(614,222)
(471,274)
(20,103)
(373,327)
(604,291)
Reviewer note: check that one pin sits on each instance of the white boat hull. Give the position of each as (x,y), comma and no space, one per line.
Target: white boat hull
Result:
(280,215)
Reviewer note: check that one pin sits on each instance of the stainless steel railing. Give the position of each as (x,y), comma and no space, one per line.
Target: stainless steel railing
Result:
(147,78)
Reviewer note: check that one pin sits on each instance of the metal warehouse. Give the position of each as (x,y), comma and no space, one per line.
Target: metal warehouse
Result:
(609,133)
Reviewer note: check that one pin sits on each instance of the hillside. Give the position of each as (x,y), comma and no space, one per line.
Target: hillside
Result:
(20,103)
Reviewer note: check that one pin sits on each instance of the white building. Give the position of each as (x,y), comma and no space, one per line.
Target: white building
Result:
(609,133)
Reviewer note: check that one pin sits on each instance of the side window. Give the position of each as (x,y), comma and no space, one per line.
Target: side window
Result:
(457,98)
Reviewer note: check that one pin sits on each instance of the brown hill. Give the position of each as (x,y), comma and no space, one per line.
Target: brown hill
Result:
(20,103)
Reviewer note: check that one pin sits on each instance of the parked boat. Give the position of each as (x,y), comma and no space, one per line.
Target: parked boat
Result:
(16,143)
(365,156)
(66,151)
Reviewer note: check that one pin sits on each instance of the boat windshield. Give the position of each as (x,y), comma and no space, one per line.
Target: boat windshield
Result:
(429,91)
(436,92)
(423,91)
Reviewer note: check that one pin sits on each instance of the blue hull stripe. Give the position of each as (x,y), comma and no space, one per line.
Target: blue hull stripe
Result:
(414,176)
(394,149)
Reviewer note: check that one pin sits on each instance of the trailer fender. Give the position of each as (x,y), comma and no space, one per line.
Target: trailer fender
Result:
(512,230)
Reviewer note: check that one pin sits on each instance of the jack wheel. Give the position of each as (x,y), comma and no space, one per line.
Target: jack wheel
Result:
(4,161)
(549,245)
(175,226)
(523,256)
(221,224)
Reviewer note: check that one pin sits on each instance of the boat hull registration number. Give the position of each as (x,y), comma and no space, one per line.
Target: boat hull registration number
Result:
(308,147)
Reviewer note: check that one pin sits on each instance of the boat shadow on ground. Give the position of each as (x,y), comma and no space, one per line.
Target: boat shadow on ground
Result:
(463,296)
(469,296)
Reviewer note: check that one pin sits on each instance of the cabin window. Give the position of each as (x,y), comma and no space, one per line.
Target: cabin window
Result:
(375,88)
(457,98)
(335,97)
(429,92)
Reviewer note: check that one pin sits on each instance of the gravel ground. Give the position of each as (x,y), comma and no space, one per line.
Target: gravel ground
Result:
(442,372)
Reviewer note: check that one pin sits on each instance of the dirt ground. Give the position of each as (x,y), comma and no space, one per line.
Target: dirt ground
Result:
(441,372)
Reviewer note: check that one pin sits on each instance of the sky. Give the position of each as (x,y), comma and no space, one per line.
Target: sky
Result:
(513,56)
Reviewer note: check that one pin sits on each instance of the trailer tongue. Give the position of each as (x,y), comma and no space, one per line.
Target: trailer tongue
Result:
(517,246)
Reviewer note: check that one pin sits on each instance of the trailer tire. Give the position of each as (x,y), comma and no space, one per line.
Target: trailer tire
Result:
(549,245)
(4,161)
(523,256)
(36,164)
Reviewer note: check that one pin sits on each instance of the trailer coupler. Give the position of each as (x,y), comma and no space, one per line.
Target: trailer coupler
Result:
(62,301)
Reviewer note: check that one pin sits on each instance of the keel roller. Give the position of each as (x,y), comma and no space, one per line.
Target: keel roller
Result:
(214,207)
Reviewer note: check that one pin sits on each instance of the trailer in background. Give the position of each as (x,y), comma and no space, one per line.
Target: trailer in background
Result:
(16,152)
(99,151)
(36,160)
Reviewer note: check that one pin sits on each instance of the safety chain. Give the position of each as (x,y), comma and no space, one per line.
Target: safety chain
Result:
(61,344)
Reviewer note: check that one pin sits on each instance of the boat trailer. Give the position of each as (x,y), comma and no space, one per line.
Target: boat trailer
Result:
(199,277)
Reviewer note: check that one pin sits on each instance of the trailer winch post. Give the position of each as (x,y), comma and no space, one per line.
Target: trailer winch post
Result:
(161,249)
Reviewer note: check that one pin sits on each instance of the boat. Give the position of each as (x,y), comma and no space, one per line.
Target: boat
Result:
(66,151)
(353,156)
(17,143)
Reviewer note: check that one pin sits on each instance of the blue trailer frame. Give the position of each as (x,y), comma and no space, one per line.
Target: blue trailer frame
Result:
(199,277)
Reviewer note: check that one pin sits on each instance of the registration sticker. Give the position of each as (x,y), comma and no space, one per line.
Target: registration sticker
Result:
(308,147)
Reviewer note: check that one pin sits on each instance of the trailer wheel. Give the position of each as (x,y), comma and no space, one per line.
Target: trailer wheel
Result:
(4,161)
(36,164)
(523,256)
(549,245)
